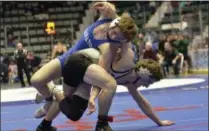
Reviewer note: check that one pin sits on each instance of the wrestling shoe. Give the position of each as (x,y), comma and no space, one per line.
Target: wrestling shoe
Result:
(41,112)
(103,126)
(39,98)
(47,128)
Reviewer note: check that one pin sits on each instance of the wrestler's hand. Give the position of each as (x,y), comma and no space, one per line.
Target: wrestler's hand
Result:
(91,107)
(166,123)
(104,7)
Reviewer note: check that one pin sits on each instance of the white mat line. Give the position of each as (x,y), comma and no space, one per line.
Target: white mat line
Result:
(29,93)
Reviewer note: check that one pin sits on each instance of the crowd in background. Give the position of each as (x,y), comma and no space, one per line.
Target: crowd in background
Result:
(13,68)
(171,51)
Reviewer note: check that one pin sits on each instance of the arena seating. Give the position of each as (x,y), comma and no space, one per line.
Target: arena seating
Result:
(140,13)
(189,14)
(16,19)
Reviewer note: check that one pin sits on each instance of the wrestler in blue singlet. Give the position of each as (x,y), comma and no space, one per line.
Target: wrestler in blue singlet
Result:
(87,41)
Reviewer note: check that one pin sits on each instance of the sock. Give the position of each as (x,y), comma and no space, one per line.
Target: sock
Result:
(46,123)
(105,118)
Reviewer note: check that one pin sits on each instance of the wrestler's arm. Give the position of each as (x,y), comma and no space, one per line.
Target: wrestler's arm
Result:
(143,103)
(106,9)
(107,53)
(95,91)
(105,60)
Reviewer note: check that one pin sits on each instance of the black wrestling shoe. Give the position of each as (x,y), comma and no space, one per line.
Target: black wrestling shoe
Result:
(46,128)
(103,126)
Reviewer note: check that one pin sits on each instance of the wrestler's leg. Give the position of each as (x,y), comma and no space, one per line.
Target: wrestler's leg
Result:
(58,93)
(74,105)
(44,75)
(52,113)
(97,76)
(54,109)
(83,91)
(42,81)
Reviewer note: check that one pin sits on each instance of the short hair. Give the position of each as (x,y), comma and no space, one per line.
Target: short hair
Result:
(148,43)
(127,26)
(152,66)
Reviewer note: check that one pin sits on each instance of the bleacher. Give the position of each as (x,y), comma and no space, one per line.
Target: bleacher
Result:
(64,14)
(189,14)
(141,11)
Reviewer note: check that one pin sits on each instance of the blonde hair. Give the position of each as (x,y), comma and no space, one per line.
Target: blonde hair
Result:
(127,26)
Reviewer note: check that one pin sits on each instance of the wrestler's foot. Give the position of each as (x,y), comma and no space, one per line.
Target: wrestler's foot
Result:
(45,125)
(103,126)
(41,112)
(39,98)
(49,128)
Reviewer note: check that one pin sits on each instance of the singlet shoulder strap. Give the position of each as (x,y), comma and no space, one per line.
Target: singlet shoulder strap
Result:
(93,26)
(97,23)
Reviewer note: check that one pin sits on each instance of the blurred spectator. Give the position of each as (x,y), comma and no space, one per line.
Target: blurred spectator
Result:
(181,45)
(155,41)
(3,70)
(172,38)
(148,52)
(58,50)
(13,73)
(10,38)
(161,43)
(1,57)
(20,57)
(140,43)
(172,58)
(33,62)
(68,38)
(5,59)
(134,48)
